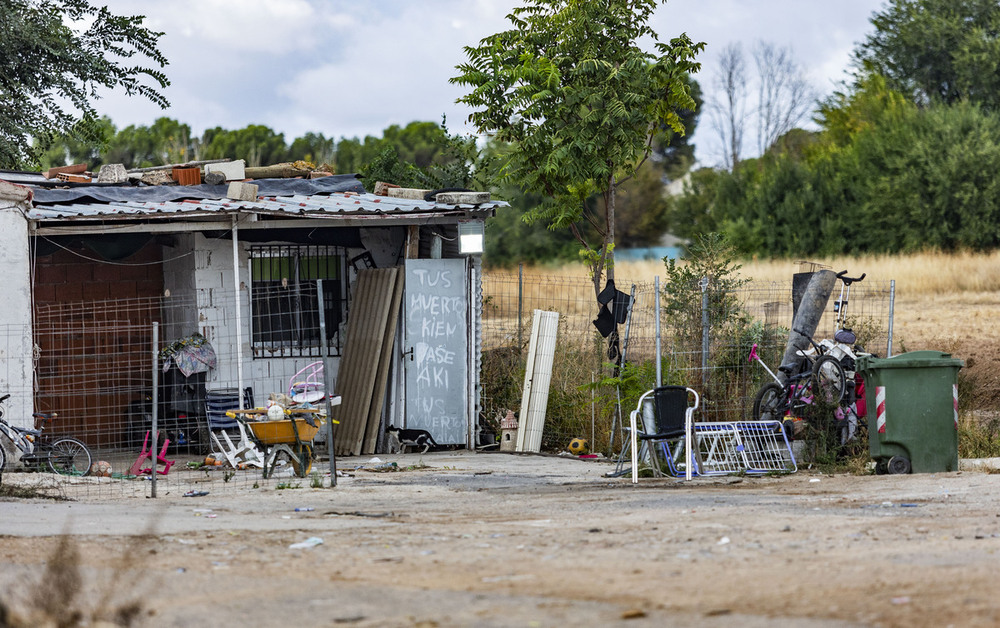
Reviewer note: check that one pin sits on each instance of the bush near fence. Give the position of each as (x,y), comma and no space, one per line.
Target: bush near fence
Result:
(590,398)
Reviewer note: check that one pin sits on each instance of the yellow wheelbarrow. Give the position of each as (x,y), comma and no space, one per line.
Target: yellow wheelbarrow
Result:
(289,438)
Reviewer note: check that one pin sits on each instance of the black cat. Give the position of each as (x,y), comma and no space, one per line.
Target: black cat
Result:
(415,438)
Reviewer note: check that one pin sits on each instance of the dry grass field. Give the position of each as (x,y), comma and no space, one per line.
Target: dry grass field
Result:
(947,302)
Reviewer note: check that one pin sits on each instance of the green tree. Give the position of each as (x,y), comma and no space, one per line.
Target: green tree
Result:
(692,213)
(579,101)
(54,56)
(314,147)
(941,51)
(166,141)
(257,144)
(83,146)
(673,151)
(642,207)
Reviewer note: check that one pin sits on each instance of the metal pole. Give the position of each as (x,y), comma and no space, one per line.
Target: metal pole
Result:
(892,310)
(593,410)
(703,284)
(239,314)
(327,387)
(659,359)
(520,302)
(156,405)
(617,420)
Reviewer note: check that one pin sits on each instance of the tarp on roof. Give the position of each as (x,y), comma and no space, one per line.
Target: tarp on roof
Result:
(162,193)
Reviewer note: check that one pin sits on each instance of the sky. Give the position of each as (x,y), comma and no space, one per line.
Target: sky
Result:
(349,68)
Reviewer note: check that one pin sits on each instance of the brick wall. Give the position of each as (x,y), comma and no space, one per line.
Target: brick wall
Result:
(92,332)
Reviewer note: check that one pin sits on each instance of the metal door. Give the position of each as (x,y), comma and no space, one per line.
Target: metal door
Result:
(436,348)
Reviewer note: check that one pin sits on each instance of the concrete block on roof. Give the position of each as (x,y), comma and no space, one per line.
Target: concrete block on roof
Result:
(234,170)
(463,198)
(71,169)
(412,194)
(112,173)
(240,191)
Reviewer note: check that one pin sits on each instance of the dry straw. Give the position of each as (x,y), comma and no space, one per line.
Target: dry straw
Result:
(915,273)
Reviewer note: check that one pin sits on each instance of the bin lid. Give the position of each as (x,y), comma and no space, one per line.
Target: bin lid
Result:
(913,359)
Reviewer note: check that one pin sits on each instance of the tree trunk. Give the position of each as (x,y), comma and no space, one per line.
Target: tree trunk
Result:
(609,234)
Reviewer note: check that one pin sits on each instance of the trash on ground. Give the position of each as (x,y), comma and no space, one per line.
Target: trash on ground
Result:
(312,541)
(195,493)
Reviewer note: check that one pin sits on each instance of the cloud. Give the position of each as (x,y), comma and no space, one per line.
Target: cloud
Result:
(349,68)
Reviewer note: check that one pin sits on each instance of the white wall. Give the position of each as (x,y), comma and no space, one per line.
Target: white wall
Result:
(212,278)
(15,315)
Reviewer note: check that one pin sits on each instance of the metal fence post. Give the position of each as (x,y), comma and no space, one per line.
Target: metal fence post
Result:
(520,302)
(156,405)
(659,359)
(703,284)
(892,308)
(327,387)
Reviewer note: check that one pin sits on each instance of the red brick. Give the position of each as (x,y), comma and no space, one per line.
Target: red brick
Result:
(96,291)
(69,292)
(50,273)
(149,287)
(44,294)
(107,272)
(79,273)
(124,290)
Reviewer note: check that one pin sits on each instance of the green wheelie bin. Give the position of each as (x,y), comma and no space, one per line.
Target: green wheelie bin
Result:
(912,402)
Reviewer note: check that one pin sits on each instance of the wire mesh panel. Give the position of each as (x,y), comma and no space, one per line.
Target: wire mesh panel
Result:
(705,343)
(97,367)
(752,447)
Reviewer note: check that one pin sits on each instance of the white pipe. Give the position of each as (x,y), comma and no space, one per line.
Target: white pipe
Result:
(688,434)
(239,314)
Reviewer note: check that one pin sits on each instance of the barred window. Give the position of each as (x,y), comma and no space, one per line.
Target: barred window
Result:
(284,301)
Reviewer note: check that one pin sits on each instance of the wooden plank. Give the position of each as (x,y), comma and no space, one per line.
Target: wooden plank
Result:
(385,361)
(348,373)
(413,242)
(366,327)
(374,340)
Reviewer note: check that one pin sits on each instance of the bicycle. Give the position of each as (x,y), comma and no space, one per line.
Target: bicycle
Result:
(64,455)
(822,374)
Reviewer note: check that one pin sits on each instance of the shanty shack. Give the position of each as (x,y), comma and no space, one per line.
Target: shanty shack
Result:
(240,286)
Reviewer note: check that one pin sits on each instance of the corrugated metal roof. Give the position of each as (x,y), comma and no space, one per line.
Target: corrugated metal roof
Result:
(295,205)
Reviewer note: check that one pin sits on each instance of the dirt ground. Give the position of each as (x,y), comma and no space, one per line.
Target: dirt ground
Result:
(513,540)
(510,540)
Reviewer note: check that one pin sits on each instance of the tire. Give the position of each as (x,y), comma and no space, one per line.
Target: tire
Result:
(768,403)
(898,465)
(828,380)
(3,458)
(69,456)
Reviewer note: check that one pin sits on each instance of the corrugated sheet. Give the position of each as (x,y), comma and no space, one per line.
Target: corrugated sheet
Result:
(297,205)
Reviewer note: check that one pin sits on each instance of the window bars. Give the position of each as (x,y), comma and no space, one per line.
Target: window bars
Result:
(286,285)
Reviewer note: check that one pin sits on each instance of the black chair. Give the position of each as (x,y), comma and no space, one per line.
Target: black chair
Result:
(665,413)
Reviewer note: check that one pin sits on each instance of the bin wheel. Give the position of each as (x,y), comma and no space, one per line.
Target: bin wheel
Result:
(898,465)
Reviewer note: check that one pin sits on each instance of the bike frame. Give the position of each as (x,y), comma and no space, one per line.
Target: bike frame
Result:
(754,356)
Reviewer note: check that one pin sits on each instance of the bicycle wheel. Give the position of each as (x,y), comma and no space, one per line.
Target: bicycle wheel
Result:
(828,380)
(69,456)
(768,403)
(3,458)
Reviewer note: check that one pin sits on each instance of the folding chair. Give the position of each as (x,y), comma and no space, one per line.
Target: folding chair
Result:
(306,386)
(666,417)
(243,450)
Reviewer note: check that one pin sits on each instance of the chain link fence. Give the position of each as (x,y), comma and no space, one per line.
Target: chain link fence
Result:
(707,350)
(94,364)
(102,369)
